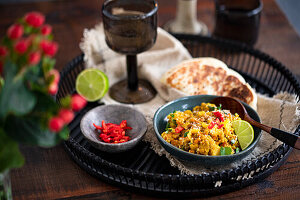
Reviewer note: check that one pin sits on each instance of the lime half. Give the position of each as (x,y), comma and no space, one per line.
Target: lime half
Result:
(244,132)
(92,84)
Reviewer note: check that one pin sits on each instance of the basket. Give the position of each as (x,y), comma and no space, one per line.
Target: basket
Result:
(142,170)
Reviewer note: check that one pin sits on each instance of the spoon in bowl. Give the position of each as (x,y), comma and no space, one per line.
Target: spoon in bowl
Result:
(235,106)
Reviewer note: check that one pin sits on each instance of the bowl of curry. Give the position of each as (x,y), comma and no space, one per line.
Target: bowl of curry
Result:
(193,129)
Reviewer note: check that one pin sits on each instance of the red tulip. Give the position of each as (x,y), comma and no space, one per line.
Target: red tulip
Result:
(34,58)
(49,48)
(34,19)
(15,31)
(1,68)
(55,124)
(46,29)
(21,46)
(66,115)
(77,102)
(53,88)
(3,51)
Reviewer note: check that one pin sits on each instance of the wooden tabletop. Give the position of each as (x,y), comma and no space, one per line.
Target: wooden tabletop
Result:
(51,174)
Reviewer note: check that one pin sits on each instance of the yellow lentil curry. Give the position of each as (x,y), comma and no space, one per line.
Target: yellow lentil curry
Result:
(205,130)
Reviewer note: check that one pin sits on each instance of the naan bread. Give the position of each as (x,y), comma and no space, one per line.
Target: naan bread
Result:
(209,76)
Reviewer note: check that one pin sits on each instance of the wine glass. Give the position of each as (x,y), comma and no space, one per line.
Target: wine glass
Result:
(130,27)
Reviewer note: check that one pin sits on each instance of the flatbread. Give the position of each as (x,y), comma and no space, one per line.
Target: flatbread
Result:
(208,75)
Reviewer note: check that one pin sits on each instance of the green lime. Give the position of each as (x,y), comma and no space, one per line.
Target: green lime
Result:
(244,132)
(92,84)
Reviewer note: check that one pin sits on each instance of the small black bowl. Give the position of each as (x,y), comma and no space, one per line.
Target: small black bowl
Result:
(188,103)
(113,114)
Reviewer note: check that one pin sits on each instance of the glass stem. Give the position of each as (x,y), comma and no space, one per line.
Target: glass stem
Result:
(132,78)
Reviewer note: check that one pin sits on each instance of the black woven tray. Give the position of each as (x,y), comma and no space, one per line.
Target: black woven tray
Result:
(140,169)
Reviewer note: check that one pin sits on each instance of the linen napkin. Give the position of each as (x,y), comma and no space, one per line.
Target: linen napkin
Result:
(282,111)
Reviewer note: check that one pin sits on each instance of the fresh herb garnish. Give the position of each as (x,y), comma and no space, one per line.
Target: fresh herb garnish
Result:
(219,107)
(174,121)
(237,150)
(174,111)
(169,130)
(172,115)
(211,108)
(185,134)
(225,151)
(168,126)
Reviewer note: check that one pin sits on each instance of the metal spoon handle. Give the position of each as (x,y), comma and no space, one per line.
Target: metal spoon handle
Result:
(288,138)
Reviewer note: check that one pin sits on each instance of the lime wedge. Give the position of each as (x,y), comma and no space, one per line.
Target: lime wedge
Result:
(92,84)
(244,132)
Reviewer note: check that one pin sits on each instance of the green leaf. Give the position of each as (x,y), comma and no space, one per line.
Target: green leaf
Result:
(219,107)
(27,29)
(45,103)
(225,151)
(1,83)
(10,156)
(28,130)
(16,98)
(185,134)
(167,126)
(237,150)
(64,133)
(48,64)
(211,108)
(66,101)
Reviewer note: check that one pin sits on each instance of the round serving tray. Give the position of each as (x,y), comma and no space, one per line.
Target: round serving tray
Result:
(141,169)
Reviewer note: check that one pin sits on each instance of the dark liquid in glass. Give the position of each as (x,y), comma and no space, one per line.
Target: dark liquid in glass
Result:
(130,28)
(132,34)
(238,20)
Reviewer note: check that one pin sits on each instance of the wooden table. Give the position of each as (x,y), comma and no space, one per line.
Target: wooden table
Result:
(51,174)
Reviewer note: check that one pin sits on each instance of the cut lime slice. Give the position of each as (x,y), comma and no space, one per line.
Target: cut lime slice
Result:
(244,132)
(92,84)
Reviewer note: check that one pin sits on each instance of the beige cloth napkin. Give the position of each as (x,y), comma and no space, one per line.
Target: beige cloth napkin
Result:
(281,111)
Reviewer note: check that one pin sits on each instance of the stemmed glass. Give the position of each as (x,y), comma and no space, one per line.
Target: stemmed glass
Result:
(130,27)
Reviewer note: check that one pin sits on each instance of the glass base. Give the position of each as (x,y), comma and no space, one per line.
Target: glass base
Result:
(5,186)
(121,93)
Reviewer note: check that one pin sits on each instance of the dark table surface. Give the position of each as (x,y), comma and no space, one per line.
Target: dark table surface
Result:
(51,174)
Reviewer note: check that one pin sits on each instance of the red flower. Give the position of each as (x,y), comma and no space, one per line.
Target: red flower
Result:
(55,73)
(34,58)
(56,124)
(15,31)
(66,115)
(77,102)
(3,51)
(46,29)
(49,48)
(53,88)
(35,19)
(21,46)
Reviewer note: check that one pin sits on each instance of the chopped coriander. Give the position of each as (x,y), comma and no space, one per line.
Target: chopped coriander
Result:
(237,150)
(219,107)
(169,130)
(172,115)
(174,111)
(168,126)
(211,108)
(174,121)
(225,151)
(185,134)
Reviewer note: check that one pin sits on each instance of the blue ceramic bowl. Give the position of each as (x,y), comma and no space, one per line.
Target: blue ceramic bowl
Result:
(187,103)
